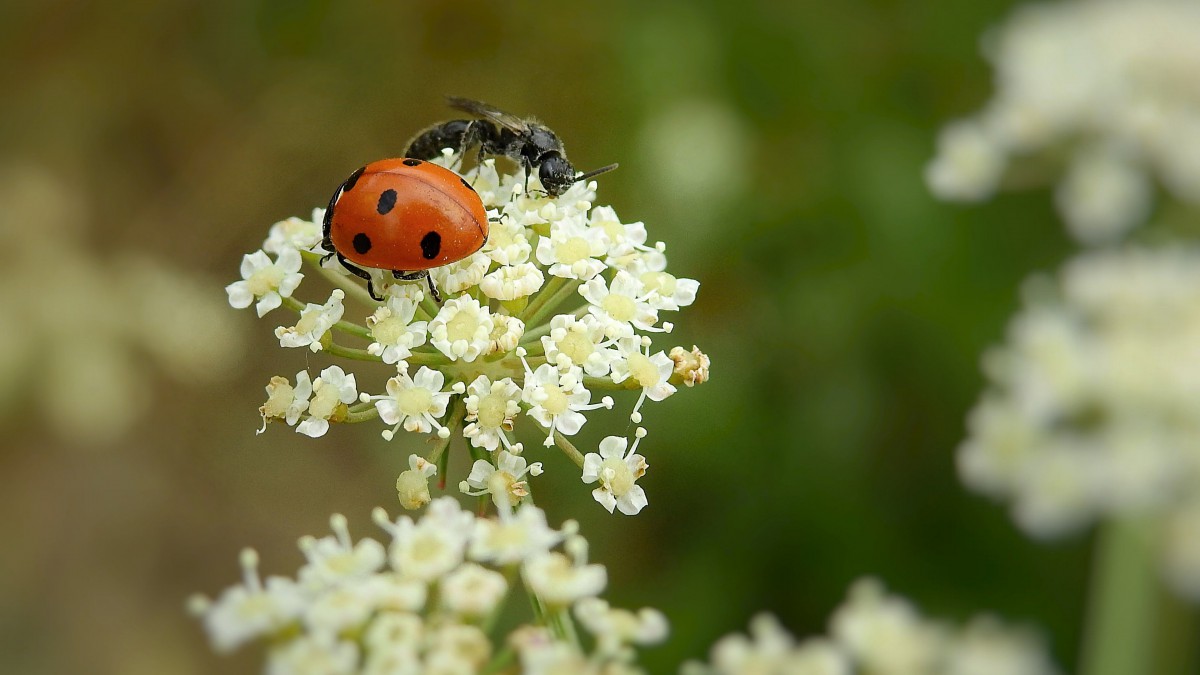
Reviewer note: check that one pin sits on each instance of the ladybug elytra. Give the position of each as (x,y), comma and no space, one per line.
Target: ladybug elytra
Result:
(404,215)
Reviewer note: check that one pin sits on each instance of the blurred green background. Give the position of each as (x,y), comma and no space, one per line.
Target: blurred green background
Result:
(777,148)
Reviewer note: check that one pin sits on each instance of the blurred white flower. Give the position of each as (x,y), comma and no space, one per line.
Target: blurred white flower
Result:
(1109,83)
(1094,409)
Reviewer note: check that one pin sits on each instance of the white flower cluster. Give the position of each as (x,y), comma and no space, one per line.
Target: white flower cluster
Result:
(875,633)
(1094,409)
(1106,88)
(428,601)
(561,302)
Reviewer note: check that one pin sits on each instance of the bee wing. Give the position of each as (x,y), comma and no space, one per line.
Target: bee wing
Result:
(481,109)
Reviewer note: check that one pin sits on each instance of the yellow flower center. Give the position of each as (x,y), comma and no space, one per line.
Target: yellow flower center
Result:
(388,331)
(573,250)
(493,411)
(415,401)
(643,370)
(616,476)
(619,307)
(461,327)
(577,346)
(324,400)
(556,401)
(659,281)
(280,396)
(265,280)
(500,484)
(308,322)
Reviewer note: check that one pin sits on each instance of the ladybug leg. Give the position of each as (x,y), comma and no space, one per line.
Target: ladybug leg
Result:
(362,274)
(423,274)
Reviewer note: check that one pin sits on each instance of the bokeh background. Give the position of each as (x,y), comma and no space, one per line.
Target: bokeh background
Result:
(777,147)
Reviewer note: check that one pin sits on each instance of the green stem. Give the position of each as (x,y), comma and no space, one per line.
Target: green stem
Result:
(351,353)
(535,305)
(1120,624)
(534,335)
(628,384)
(568,449)
(547,309)
(354,417)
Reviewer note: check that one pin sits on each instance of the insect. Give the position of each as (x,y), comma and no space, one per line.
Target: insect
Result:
(404,215)
(496,132)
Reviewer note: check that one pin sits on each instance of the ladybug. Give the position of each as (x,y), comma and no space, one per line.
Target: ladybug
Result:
(404,215)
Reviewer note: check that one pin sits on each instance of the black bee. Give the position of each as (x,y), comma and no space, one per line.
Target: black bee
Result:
(499,133)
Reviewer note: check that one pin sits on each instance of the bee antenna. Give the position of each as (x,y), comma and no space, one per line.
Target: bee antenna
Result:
(596,172)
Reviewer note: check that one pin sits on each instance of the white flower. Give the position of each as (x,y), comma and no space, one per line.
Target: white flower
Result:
(1104,194)
(250,610)
(268,281)
(616,628)
(771,649)
(560,582)
(508,242)
(393,330)
(627,241)
(472,590)
(573,250)
(430,548)
(414,403)
(885,634)
(621,305)
(462,275)
(457,648)
(667,292)
(506,333)
(651,373)
(491,407)
(334,389)
(617,472)
(314,321)
(969,163)
(579,341)
(462,330)
(412,486)
(510,282)
(1093,403)
(1104,88)
(986,647)
(391,593)
(513,537)
(319,654)
(337,559)
(340,609)
(504,481)
(557,399)
(295,233)
(284,401)
(395,629)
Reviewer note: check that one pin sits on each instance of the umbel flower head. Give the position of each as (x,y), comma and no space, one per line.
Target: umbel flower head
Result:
(427,600)
(1105,89)
(1093,412)
(560,308)
(878,633)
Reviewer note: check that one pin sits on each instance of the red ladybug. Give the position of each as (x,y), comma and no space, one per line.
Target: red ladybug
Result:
(404,215)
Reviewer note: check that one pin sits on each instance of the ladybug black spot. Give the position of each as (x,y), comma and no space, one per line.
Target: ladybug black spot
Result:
(387,201)
(469,186)
(349,184)
(362,243)
(412,162)
(431,245)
